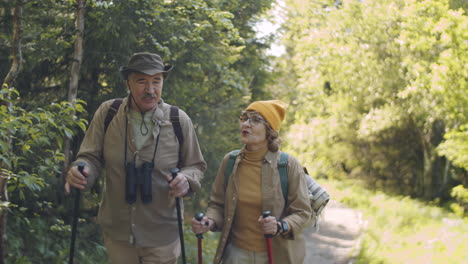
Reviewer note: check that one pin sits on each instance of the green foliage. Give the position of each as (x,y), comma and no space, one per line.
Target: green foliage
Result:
(219,66)
(219,62)
(455,147)
(32,160)
(460,194)
(209,244)
(373,86)
(41,237)
(31,141)
(378,84)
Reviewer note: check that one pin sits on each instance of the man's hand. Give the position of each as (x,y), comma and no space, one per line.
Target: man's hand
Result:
(76,179)
(179,185)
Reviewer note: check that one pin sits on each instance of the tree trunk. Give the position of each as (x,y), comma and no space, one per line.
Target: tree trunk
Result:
(16,48)
(9,79)
(425,180)
(445,178)
(428,158)
(78,53)
(75,73)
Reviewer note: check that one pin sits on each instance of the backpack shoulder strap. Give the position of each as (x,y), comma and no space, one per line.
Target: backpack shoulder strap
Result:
(230,165)
(282,168)
(283,172)
(174,115)
(111,112)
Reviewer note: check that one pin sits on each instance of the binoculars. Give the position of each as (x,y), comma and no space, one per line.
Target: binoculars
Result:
(139,177)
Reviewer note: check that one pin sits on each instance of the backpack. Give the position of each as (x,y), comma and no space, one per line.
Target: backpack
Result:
(318,196)
(174,115)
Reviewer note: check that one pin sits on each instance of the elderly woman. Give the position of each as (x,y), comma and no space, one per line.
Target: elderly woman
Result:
(238,200)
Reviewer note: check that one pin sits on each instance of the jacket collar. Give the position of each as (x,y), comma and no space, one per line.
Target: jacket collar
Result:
(159,113)
(270,157)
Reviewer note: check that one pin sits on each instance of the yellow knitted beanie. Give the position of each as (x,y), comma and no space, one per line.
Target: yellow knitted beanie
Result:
(272,110)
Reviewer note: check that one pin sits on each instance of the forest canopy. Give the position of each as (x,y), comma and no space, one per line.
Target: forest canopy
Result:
(377,90)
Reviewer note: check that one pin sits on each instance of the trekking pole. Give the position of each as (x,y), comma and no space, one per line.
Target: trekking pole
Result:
(268,240)
(199,217)
(75,217)
(174,172)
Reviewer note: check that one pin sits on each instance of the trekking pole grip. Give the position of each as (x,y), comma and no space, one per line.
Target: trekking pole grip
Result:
(80,166)
(174,172)
(266,214)
(199,217)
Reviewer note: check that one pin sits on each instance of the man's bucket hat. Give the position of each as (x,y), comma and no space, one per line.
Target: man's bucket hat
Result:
(146,63)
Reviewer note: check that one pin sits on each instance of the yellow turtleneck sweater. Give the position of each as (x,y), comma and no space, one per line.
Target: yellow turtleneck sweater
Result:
(246,232)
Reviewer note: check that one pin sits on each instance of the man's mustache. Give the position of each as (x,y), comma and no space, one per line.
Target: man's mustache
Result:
(148,95)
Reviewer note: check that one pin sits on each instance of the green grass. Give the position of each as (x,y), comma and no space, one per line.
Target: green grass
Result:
(209,243)
(403,230)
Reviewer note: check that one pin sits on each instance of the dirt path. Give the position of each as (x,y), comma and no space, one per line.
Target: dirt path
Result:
(337,240)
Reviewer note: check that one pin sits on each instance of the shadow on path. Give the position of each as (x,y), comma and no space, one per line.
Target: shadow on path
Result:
(337,238)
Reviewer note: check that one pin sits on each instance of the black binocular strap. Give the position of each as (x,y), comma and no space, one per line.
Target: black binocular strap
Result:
(178,131)
(174,116)
(126,133)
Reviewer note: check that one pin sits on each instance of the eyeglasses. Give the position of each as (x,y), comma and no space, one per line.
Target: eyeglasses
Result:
(254,120)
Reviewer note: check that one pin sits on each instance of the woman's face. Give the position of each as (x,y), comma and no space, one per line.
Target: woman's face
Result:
(253,131)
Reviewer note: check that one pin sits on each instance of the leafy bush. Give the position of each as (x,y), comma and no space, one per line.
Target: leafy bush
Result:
(46,239)
(460,194)
(31,158)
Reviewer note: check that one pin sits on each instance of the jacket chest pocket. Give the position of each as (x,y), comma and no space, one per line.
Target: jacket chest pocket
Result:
(167,153)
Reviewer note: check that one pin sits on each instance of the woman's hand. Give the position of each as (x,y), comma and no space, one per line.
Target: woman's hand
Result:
(269,225)
(203,226)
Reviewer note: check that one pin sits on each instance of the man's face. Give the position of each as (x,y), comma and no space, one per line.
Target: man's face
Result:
(146,90)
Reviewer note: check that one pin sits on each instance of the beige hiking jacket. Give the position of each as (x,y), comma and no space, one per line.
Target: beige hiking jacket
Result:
(223,201)
(147,225)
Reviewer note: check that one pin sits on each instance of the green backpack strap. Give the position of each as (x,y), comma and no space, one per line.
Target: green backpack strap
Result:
(230,165)
(283,172)
(282,168)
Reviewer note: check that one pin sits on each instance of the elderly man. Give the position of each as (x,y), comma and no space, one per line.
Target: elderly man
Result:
(137,141)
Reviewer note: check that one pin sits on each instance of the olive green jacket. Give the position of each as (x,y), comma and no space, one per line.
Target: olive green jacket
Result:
(289,248)
(147,225)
